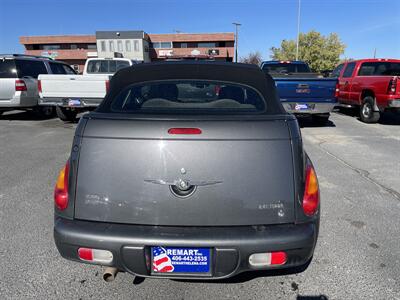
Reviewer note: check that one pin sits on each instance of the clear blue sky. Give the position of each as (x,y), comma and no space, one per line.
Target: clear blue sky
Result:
(363,25)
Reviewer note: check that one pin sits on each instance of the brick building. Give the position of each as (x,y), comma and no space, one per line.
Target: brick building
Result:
(75,49)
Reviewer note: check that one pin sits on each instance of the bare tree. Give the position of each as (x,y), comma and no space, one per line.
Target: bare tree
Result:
(254,58)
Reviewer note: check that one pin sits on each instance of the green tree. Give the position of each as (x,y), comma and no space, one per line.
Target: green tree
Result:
(252,58)
(320,52)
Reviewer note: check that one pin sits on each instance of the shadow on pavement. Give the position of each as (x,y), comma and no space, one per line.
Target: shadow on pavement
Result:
(387,118)
(308,122)
(18,115)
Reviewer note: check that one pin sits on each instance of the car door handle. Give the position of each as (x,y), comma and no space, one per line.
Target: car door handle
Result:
(346,83)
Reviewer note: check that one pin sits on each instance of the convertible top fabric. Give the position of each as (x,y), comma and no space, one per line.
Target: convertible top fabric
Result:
(246,74)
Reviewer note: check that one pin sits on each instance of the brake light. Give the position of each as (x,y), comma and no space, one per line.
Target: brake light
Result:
(392,86)
(107,85)
(184,131)
(61,189)
(311,192)
(337,90)
(20,85)
(39,85)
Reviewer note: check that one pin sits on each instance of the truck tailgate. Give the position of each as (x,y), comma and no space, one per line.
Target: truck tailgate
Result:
(242,170)
(73,86)
(306,89)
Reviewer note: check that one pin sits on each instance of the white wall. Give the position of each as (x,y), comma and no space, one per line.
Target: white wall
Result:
(136,54)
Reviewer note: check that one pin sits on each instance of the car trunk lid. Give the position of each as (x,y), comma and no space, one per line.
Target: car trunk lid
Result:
(129,172)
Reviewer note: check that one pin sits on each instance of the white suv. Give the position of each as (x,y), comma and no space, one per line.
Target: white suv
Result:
(18,81)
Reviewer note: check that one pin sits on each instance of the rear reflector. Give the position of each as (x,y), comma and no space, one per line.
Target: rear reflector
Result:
(184,131)
(39,85)
(107,85)
(20,85)
(268,259)
(95,255)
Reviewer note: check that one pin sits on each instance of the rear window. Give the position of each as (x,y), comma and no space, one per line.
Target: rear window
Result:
(7,68)
(285,68)
(30,68)
(106,66)
(188,97)
(379,69)
(57,68)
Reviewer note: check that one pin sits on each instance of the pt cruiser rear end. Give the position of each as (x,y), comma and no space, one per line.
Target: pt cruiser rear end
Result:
(188,170)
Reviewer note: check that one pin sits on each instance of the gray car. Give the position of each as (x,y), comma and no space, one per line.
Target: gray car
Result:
(188,170)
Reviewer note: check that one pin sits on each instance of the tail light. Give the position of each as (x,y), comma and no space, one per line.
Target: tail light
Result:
(20,85)
(39,86)
(107,85)
(392,86)
(311,192)
(337,90)
(184,131)
(61,189)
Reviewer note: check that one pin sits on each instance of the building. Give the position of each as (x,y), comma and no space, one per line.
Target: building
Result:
(137,45)
(131,44)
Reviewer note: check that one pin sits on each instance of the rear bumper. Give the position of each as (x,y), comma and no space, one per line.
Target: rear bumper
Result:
(231,246)
(18,101)
(64,102)
(313,107)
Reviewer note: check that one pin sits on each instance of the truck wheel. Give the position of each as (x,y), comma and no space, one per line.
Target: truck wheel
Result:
(66,115)
(321,119)
(44,112)
(367,113)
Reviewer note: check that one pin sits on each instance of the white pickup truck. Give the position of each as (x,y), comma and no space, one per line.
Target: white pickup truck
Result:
(72,94)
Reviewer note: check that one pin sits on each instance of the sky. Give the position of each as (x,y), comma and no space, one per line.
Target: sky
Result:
(363,25)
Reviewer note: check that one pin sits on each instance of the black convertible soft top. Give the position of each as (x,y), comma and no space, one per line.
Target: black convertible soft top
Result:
(246,74)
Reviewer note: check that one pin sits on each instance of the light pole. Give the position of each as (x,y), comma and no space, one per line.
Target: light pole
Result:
(236,39)
(298,31)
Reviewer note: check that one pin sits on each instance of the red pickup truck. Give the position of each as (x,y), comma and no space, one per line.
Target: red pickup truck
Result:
(372,85)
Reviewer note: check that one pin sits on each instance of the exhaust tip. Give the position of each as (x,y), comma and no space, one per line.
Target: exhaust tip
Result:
(109,274)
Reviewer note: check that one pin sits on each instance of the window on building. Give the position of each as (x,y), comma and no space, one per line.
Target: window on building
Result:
(183,45)
(74,46)
(206,45)
(111,46)
(136,46)
(51,47)
(119,46)
(157,45)
(128,46)
(94,47)
(103,46)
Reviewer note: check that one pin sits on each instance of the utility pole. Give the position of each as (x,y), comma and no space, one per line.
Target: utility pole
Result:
(375,53)
(298,30)
(236,40)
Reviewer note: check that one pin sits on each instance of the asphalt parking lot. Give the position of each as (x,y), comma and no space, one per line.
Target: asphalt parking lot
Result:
(357,255)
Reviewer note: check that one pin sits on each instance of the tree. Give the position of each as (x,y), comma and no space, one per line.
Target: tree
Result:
(252,58)
(320,52)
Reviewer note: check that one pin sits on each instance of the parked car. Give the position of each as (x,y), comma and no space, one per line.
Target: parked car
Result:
(301,91)
(18,81)
(71,94)
(188,170)
(370,85)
